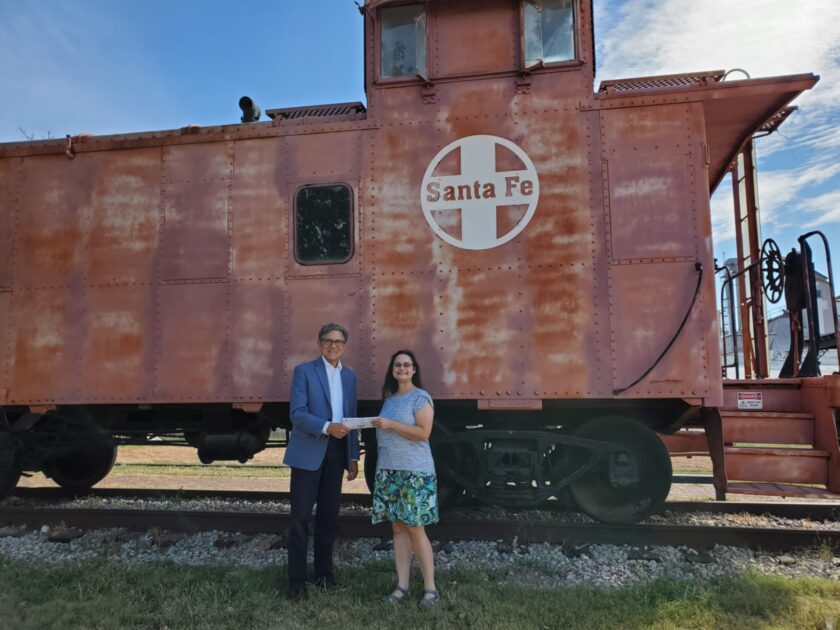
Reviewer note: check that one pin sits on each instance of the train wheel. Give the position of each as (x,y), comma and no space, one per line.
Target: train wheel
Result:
(449,490)
(629,485)
(87,462)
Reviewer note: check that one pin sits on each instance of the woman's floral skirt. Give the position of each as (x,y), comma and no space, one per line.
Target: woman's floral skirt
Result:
(403,496)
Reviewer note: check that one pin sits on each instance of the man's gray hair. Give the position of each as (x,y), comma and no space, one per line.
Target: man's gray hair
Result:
(328,328)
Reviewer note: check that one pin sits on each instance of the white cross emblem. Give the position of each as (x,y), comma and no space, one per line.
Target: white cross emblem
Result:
(479,191)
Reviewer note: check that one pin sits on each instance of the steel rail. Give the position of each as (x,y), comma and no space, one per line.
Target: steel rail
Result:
(449,529)
(782,509)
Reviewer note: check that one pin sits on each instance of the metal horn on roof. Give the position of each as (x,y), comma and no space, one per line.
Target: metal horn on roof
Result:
(728,72)
(250,110)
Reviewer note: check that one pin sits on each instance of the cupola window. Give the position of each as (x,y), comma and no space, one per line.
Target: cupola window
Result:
(403,41)
(549,31)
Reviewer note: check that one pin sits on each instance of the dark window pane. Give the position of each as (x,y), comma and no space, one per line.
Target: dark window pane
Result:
(323,231)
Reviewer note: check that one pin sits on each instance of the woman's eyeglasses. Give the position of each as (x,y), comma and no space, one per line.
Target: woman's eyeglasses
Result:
(403,365)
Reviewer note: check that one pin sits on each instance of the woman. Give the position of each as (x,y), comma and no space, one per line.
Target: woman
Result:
(405,491)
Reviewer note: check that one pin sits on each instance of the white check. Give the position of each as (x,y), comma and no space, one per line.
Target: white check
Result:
(359,423)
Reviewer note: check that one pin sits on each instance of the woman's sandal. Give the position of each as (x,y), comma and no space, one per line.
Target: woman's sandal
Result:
(430,597)
(393,598)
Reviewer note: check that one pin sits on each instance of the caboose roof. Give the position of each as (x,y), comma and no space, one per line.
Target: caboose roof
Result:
(734,110)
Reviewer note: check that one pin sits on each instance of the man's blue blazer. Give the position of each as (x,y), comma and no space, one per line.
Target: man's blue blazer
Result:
(310,409)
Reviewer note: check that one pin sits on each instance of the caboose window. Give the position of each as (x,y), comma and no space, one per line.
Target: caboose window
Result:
(549,31)
(403,41)
(323,227)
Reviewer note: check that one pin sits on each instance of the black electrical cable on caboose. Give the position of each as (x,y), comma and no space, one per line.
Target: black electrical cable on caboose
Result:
(699,267)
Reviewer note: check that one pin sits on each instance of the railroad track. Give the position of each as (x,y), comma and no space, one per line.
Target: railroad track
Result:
(793,510)
(449,529)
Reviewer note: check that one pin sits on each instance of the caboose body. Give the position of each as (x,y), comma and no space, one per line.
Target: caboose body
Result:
(544,249)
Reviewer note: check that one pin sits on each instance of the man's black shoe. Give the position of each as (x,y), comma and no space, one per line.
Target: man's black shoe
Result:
(297,594)
(325,582)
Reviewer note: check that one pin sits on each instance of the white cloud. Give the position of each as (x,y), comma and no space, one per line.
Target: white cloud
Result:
(723,222)
(825,208)
(780,191)
(764,37)
(799,165)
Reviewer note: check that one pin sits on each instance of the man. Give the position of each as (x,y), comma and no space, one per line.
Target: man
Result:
(320,448)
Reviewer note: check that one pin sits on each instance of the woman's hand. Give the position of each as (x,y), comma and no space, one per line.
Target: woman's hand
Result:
(383,423)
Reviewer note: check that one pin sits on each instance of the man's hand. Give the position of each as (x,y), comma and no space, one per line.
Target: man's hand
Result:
(354,470)
(337,430)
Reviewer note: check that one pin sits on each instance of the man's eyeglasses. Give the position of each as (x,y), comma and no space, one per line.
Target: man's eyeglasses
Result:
(403,365)
(332,342)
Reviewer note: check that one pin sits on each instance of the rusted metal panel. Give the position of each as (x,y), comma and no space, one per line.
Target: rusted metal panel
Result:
(771,465)
(403,315)
(260,211)
(456,50)
(258,338)
(733,110)
(820,397)
(488,332)
(638,189)
(46,344)
(118,361)
(648,302)
(8,190)
(655,240)
(686,442)
(196,217)
(5,332)
(122,232)
(768,428)
(782,395)
(55,200)
(707,313)
(192,345)
(258,325)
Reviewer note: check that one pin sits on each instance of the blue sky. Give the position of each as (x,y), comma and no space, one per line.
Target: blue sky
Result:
(112,66)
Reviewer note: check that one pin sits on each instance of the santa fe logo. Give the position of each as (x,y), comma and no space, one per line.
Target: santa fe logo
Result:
(478,193)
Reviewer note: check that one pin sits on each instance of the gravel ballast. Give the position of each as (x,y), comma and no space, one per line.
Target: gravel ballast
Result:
(484,513)
(533,566)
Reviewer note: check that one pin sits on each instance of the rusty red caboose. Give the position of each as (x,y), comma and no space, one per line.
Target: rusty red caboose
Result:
(546,250)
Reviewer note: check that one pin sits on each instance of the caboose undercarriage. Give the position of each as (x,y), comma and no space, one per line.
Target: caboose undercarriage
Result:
(510,458)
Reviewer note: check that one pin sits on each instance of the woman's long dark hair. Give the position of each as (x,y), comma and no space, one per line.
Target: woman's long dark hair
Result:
(390,386)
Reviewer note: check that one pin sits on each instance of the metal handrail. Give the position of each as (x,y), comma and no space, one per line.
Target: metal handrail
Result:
(730,277)
(727,284)
(813,338)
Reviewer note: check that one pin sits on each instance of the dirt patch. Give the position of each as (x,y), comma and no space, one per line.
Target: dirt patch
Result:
(186,455)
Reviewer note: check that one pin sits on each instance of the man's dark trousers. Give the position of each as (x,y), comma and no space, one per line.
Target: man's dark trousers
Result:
(308,487)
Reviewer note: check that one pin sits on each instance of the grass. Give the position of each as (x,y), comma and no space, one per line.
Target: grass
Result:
(210,470)
(105,594)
